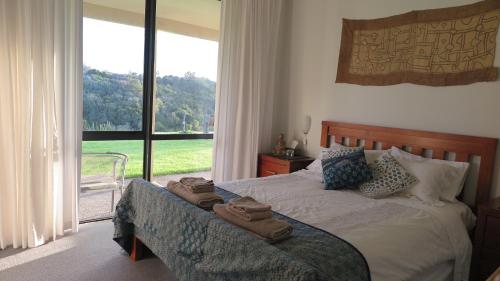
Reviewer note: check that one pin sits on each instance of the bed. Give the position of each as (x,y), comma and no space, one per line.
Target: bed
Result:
(399,237)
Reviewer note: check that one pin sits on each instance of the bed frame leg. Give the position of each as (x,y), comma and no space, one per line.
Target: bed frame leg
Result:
(138,249)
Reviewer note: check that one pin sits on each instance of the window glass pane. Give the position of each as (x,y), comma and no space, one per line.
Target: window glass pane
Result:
(107,166)
(113,55)
(134,149)
(186,66)
(174,159)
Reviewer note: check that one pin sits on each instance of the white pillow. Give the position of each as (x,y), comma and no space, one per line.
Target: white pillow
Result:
(430,176)
(315,166)
(438,179)
(370,155)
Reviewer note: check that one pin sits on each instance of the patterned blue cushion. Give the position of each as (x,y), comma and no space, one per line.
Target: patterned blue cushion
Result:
(346,170)
(389,177)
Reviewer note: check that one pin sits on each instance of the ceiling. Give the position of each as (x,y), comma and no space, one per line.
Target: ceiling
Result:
(199,17)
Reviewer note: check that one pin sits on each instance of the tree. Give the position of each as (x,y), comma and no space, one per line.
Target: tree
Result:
(114,102)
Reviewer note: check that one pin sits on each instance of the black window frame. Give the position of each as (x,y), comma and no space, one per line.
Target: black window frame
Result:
(147,133)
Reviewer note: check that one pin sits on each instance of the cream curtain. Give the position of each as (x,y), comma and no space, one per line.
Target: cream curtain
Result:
(40,119)
(248,53)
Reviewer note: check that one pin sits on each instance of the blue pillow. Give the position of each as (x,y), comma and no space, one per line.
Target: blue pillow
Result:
(346,170)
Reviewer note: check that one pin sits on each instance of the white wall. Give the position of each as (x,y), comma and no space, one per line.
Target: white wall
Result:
(310,67)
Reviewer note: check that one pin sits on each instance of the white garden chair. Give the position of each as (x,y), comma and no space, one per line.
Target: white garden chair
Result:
(111,177)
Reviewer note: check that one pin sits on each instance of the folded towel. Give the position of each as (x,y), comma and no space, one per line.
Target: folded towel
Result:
(200,189)
(272,230)
(204,200)
(196,181)
(198,185)
(249,205)
(254,216)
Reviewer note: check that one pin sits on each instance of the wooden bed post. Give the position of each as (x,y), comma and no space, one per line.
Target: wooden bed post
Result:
(325,136)
(138,249)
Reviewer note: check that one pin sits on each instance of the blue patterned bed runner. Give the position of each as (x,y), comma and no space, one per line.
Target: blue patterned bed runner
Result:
(197,245)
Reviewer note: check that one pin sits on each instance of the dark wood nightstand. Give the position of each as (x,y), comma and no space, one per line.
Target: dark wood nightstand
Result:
(270,165)
(486,256)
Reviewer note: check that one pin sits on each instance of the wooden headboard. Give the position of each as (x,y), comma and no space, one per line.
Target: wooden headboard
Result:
(435,145)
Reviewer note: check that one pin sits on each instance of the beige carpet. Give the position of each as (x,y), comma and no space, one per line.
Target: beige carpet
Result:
(89,255)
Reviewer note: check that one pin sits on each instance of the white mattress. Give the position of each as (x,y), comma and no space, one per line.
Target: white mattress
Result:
(400,237)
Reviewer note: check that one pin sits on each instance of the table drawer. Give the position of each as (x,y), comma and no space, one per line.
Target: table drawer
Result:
(270,169)
(270,165)
(273,160)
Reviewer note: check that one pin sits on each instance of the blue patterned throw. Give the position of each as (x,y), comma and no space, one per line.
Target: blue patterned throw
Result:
(197,245)
(345,169)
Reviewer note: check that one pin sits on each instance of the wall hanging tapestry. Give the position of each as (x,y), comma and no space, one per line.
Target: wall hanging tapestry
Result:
(450,46)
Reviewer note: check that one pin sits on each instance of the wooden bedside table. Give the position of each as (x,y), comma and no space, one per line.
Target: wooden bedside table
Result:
(486,255)
(270,165)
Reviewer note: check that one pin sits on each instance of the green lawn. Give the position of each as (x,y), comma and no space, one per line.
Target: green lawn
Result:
(169,157)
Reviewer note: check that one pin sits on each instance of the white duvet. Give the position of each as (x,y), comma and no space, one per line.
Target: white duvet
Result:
(400,237)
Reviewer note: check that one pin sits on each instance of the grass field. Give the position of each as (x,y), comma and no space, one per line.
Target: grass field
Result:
(169,157)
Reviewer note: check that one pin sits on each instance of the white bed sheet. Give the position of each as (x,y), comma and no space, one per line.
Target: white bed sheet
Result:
(400,237)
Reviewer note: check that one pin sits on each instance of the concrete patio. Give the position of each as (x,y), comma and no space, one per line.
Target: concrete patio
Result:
(98,206)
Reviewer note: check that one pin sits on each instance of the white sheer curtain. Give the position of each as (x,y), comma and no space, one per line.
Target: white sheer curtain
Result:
(40,119)
(248,52)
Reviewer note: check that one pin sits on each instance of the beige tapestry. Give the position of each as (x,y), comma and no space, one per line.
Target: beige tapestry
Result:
(449,46)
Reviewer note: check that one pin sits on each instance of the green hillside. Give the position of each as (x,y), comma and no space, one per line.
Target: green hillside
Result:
(114,102)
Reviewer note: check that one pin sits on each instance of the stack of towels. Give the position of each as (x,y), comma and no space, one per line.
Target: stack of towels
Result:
(198,191)
(255,217)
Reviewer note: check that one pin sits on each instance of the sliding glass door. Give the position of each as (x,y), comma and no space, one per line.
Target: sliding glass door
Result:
(149,95)
(184,92)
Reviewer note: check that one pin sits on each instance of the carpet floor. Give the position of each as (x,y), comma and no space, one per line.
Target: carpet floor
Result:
(88,255)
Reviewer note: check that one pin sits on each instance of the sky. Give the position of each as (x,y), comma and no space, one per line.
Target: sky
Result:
(119,48)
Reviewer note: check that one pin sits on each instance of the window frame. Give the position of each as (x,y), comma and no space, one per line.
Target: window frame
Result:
(147,133)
